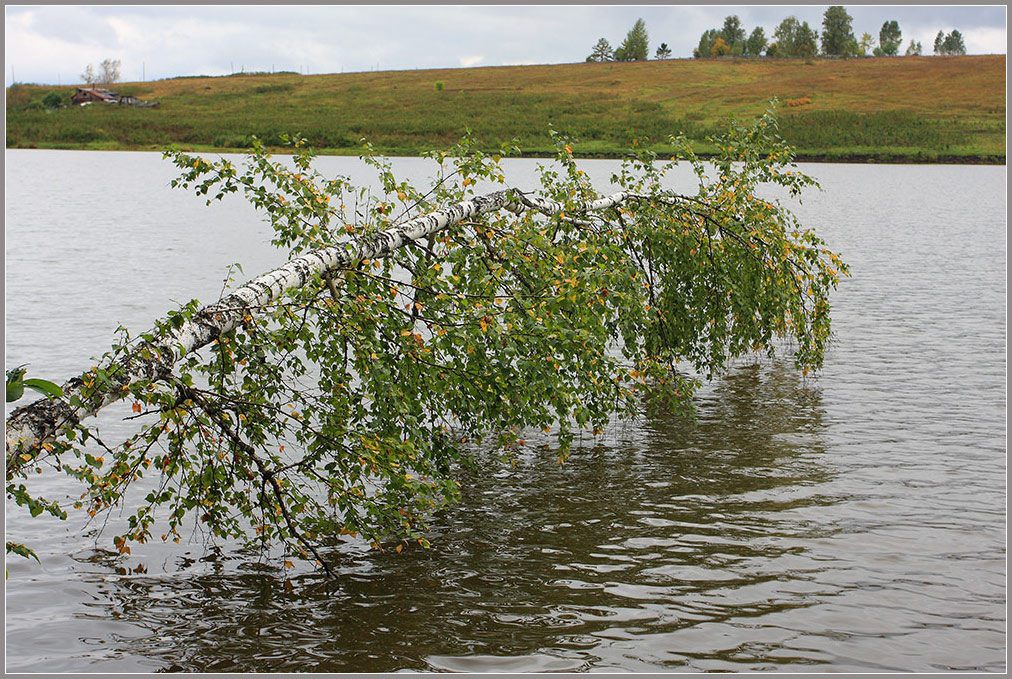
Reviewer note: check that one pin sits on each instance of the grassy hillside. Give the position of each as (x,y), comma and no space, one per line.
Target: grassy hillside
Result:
(948,109)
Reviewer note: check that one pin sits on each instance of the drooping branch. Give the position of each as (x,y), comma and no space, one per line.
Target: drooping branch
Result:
(571,310)
(32,425)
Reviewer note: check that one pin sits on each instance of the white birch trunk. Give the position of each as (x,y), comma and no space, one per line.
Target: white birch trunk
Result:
(31,425)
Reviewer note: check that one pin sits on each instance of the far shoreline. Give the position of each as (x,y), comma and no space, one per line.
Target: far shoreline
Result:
(884,158)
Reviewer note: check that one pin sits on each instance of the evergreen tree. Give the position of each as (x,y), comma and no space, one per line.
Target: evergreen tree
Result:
(635,45)
(756,42)
(914,49)
(890,38)
(602,51)
(837,34)
(663,52)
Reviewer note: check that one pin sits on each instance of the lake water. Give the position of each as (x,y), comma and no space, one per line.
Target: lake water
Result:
(854,521)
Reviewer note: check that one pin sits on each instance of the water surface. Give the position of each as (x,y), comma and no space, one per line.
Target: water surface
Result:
(850,522)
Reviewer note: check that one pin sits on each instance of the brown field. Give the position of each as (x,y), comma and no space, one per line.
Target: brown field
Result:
(920,108)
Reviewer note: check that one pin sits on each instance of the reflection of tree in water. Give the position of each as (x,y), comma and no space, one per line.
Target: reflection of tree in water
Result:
(670,525)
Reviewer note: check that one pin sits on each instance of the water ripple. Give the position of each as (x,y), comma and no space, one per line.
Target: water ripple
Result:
(854,522)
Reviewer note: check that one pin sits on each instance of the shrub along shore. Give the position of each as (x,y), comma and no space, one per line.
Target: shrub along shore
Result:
(889,109)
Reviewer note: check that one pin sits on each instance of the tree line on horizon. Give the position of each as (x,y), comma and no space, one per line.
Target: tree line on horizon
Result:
(791,38)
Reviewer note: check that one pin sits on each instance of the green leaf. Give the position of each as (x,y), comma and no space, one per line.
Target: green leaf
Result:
(15,390)
(44,387)
(21,550)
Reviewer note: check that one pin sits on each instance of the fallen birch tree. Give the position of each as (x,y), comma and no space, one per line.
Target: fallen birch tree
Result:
(340,393)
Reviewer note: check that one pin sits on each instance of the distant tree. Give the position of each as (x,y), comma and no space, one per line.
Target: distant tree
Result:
(738,49)
(706,43)
(914,49)
(890,37)
(720,48)
(806,45)
(953,43)
(663,52)
(865,45)
(635,45)
(52,100)
(732,32)
(837,34)
(756,42)
(940,42)
(795,39)
(602,51)
(784,35)
(108,71)
(89,74)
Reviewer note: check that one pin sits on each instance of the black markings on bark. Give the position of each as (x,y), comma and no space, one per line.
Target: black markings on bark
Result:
(43,419)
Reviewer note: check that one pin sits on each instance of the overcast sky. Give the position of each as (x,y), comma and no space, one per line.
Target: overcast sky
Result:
(53,44)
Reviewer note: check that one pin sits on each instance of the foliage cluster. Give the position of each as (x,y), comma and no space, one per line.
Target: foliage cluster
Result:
(949,44)
(794,38)
(890,37)
(636,44)
(16,385)
(602,51)
(349,406)
(837,35)
(635,47)
(33,98)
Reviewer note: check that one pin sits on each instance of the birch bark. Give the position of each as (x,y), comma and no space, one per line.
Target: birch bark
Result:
(28,427)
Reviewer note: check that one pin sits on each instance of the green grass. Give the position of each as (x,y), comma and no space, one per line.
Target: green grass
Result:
(927,109)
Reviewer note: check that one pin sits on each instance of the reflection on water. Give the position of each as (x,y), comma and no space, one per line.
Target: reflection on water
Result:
(627,551)
(855,522)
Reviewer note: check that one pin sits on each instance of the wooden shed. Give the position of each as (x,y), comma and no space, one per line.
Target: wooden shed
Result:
(86,95)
